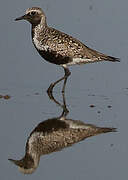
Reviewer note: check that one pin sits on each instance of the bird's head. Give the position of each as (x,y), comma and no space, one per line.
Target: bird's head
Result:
(34,15)
(26,165)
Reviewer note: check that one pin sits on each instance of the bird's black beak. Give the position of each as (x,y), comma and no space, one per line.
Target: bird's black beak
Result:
(21,18)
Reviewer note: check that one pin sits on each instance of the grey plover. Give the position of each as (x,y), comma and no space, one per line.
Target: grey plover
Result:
(58,47)
(53,135)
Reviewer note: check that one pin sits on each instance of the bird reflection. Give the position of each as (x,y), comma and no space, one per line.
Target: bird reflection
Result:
(53,135)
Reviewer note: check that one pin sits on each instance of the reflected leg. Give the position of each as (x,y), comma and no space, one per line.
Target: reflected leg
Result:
(63,106)
(65,109)
(67,73)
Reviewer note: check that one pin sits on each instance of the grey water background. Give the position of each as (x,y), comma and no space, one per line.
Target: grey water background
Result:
(25,76)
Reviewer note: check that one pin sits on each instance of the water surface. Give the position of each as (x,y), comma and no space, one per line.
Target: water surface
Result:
(24,76)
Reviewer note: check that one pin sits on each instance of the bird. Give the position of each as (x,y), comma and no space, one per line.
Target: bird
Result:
(53,135)
(58,47)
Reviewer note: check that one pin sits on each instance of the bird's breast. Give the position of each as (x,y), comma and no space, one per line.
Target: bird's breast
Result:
(52,56)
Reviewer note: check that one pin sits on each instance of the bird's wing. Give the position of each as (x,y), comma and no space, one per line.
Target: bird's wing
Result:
(65,45)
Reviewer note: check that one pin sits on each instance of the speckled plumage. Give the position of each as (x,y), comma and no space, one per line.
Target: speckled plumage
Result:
(54,135)
(58,47)
(61,48)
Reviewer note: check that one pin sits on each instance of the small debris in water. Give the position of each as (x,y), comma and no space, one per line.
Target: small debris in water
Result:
(36,93)
(109,106)
(92,105)
(91,7)
(1,96)
(6,97)
(91,94)
(111,145)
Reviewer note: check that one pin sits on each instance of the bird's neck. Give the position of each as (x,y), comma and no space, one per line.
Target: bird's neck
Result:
(36,159)
(39,27)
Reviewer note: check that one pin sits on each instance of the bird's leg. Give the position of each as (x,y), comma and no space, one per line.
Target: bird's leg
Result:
(67,73)
(49,90)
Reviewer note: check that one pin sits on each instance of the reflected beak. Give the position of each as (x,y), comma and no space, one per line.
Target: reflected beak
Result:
(21,18)
(16,162)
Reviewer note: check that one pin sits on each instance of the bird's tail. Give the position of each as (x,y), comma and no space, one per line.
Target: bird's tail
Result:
(111,58)
(98,56)
(94,130)
(105,130)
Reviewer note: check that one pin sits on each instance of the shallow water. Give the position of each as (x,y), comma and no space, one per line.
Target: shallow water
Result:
(95,93)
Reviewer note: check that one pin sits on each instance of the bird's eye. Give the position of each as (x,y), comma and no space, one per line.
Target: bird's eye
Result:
(32,13)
